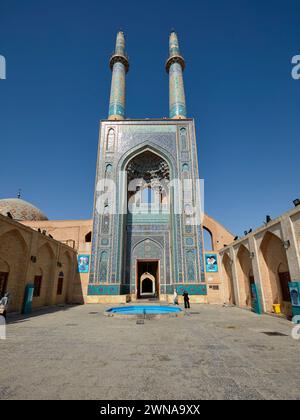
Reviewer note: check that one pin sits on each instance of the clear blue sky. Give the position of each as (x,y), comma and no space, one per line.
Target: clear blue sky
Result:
(238,86)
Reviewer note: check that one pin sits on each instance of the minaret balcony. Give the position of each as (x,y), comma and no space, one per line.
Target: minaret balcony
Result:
(119,58)
(175,59)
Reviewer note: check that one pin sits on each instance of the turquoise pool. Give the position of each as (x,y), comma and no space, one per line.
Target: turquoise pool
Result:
(145,310)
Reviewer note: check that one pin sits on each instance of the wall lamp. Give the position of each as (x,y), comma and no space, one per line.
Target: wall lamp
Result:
(286,244)
(252,255)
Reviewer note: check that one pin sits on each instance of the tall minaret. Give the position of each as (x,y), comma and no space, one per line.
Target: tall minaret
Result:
(175,66)
(119,65)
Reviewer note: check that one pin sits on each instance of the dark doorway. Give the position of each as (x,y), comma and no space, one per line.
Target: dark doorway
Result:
(147,286)
(284,279)
(88,237)
(147,279)
(3,283)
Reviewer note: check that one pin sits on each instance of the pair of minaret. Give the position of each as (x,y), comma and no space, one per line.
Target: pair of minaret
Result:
(119,65)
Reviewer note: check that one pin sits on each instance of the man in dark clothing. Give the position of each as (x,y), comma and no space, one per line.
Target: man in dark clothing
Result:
(186,299)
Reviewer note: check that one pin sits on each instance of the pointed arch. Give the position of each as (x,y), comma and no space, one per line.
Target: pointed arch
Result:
(220,235)
(244,268)
(122,202)
(148,146)
(103,266)
(14,252)
(147,240)
(208,239)
(183,138)
(62,282)
(88,237)
(67,262)
(110,140)
(44,284)
(275,272)
(148,249)
(147,284)
(229,287)
(46,248)
(14,235)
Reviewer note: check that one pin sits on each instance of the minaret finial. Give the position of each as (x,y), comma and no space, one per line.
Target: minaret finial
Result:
(119,65)
(175,66)
(19,193)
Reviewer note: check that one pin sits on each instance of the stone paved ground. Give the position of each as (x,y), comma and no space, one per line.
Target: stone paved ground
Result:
(213,353)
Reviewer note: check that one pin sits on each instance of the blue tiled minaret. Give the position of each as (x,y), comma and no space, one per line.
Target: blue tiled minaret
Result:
(175,66)
(119,65)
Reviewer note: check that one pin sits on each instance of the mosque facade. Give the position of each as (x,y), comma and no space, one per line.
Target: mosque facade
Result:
(145,239)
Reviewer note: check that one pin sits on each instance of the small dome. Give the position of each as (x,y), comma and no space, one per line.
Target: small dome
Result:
(20,209)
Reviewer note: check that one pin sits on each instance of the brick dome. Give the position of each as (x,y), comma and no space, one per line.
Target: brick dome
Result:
(20,209)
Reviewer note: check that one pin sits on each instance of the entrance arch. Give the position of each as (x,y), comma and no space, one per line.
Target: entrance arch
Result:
(148,178)
(275,273)
(147,278)
(148,169)
(147,285)
(148,257)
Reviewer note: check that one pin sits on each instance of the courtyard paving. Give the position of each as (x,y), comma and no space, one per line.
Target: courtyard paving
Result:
(75,352)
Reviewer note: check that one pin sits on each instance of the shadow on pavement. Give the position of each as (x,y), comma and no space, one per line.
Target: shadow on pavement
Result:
(18,318)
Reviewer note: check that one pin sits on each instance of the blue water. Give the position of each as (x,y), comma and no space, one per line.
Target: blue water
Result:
(147,310)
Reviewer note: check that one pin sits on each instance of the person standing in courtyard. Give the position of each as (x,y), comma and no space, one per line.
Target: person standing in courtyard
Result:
(175,297)
(186,300)
(4,304)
